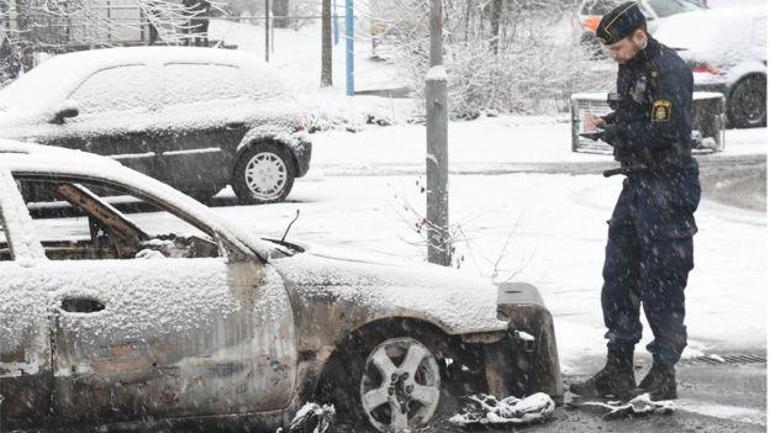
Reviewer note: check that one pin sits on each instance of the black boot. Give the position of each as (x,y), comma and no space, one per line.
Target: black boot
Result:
(660,382)
(616,379)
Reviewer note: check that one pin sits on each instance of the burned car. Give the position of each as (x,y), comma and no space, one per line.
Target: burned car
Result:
(112,325)
(195,118)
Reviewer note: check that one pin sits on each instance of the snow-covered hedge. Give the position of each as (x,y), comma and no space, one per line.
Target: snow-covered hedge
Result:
(529,65)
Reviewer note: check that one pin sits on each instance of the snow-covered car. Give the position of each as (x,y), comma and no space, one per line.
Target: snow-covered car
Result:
(109,324)
(195,118)
(727,49)
(656,12)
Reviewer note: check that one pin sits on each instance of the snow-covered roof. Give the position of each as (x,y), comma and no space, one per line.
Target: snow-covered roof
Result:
(107,57)
(32,158)
(53,80)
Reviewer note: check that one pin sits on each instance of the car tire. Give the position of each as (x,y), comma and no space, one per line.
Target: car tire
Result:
(356,383)
(747,105)
(264,174)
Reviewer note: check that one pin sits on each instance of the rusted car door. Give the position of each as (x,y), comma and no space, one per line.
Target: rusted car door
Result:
(169,338)
(138,338)
(26,381)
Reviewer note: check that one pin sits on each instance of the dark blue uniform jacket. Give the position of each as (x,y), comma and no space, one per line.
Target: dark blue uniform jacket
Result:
(652,119)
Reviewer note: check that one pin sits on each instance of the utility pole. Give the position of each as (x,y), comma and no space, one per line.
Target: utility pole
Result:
(267,31)
(437,158)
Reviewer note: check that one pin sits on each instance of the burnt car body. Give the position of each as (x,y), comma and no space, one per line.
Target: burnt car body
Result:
(195,118)
(119,328)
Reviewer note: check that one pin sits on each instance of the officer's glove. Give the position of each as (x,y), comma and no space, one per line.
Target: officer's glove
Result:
(612,136)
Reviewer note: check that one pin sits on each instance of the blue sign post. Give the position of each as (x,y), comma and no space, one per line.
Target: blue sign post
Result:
(349,45)
(335,24)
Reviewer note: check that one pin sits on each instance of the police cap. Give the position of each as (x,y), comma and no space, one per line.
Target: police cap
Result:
(620,22)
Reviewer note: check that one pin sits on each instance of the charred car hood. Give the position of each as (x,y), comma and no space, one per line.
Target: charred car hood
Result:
(381,287)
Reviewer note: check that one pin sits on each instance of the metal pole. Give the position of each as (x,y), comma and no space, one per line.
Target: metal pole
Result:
(267,31)
(436,33)
(349,46)
(437,158)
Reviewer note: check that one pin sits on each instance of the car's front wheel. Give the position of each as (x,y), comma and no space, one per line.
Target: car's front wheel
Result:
(263,174)
(400,387)
(392,384)
(747,106)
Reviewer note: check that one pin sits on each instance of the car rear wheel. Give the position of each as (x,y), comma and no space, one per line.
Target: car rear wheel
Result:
(747,107)
(264,174)
(395,384)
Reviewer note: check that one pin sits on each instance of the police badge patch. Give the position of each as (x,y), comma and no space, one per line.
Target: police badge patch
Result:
(661,111)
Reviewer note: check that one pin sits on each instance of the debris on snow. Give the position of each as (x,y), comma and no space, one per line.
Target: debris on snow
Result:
(636,407)
(717,358)
(149,254)
(488,410)
(312,417)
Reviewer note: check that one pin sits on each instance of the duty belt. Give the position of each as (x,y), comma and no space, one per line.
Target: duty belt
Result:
(625,170)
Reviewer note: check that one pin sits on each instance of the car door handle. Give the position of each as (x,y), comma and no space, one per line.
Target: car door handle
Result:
(81,305)
(235,125)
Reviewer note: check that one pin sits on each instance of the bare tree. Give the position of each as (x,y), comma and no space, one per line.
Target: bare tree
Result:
(53,26)
(281,12)
(326,43)
(521,56)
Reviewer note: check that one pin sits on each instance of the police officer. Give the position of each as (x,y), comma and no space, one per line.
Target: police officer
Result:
(649,249)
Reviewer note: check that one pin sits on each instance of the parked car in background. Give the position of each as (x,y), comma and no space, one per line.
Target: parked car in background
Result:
(727,49)
(188,321)
(195,118)
(591,12)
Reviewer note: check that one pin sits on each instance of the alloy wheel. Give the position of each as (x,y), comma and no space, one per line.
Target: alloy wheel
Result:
(401,385)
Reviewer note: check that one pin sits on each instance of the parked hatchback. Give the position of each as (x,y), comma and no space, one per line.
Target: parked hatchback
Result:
(195,118)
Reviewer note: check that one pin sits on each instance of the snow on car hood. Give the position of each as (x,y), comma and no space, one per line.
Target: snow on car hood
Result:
(12,122)
(387,287)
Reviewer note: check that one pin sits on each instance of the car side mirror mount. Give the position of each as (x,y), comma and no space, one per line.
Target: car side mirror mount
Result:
(66,110)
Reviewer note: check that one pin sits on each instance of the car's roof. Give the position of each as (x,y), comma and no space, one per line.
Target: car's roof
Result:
(106,57)
(54,79)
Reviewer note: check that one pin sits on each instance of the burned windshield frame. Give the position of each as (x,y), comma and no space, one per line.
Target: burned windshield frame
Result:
(230,251)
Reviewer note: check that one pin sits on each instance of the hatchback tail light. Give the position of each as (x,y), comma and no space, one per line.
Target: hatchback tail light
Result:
(704,68)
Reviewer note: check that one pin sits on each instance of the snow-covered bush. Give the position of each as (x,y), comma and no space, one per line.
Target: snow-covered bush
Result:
(501,55)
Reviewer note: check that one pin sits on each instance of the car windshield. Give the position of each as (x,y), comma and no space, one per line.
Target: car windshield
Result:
(665,8)
(33,89)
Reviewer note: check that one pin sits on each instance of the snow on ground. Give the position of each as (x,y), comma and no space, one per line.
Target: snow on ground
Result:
(487,143)
(556,223)
(297,54)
